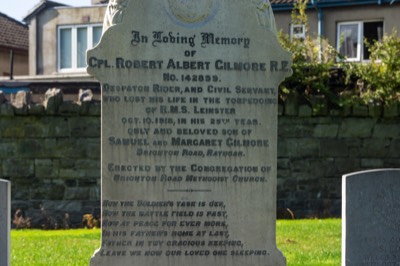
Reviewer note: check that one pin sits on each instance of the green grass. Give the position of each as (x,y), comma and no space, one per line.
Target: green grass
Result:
(53,248)
(310,242)
(303,242)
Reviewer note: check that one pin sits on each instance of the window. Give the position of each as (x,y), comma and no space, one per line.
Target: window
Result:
(351,36)
(73,41)
(298,31)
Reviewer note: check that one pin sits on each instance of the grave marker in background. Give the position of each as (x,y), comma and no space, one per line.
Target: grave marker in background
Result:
(5,221)
(189,132)
(371,218)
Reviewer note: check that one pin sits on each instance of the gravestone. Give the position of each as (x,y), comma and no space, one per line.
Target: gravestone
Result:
(371,218)
(189,132)
(5,221)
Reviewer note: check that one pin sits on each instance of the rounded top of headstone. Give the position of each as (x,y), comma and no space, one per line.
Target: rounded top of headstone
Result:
(192,12)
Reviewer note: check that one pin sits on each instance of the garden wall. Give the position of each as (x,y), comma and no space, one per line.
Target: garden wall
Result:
(314,153)
(51,153)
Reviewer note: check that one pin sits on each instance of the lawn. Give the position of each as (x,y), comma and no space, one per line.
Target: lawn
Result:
(53,248)
(303,242)
(310,242)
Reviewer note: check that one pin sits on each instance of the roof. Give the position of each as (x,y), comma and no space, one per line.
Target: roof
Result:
(13,34)
(42,5)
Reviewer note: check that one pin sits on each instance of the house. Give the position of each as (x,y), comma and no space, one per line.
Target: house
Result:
(13,47)
(344,23)
(59,36)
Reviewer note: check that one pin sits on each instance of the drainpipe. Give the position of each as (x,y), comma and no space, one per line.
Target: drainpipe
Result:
(320,31)
(11,64)
(320,21)
(320,24)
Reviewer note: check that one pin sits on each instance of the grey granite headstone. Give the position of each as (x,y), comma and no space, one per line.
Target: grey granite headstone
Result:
(5,221)
(371,218)
(189,132)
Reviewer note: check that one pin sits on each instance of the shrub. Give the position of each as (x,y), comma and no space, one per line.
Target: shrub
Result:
(313,60)
(378,81)
(318,69)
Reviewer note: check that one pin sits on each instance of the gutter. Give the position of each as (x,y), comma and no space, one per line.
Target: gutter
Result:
(340,3)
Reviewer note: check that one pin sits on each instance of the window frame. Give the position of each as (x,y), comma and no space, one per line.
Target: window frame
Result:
(74,45)
(294,35)
(360,38)
(359,25)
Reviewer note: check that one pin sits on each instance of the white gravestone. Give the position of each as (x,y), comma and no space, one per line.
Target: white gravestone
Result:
(5,221)
(371,218)
(189,132)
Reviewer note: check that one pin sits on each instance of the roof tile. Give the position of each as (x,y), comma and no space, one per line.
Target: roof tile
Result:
(13,33)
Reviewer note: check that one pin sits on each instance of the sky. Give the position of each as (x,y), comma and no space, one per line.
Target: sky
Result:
(18,9)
